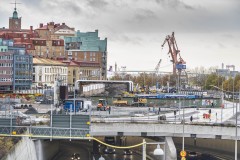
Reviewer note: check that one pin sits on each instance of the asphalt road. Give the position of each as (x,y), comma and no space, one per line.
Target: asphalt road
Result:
(67,148)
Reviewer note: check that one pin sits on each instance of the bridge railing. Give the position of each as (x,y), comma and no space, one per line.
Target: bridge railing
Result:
(44,132)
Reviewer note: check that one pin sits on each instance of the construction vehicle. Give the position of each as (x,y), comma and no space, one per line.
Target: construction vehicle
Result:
(137,101)
(174,51)
(120,102)
(102,105)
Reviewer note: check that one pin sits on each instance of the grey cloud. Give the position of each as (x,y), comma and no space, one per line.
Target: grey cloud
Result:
(143,14)
(126,39)
(72,6)
(174,4)
(221,45)
(97,3)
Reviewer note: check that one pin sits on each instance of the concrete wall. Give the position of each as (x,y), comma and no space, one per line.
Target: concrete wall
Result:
(168,130)
(28,149)
(46,149)
(24,150)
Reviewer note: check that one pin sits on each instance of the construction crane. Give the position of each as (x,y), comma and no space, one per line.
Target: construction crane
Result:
(157,67)
(174,51)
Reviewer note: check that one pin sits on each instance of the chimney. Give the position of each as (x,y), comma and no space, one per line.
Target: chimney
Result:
(41,25)
(63,23)
(31,28)
(222,65)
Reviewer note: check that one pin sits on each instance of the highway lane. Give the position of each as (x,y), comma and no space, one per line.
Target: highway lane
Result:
(203,153)
(84,148)
(67,148)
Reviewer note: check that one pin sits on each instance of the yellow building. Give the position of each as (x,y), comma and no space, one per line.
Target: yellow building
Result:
(78,70)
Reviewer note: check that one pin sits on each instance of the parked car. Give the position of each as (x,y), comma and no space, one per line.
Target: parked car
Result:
(17,106)
(127,152)
(192,155)
(75,156)
(108,150)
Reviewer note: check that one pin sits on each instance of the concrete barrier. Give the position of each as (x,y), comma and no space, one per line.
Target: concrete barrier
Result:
(23,150)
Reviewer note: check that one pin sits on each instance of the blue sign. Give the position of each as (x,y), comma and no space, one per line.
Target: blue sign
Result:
(181,66)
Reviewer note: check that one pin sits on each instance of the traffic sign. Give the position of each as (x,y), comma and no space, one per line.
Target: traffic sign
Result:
(181,66)
(183,158)
(183,153)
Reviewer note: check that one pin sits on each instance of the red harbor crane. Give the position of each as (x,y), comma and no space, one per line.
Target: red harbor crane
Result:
(174,51)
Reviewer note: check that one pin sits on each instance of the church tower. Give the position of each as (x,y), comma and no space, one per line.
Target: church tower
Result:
(15,21)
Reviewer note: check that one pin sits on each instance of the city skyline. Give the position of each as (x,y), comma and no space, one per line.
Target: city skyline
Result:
(207,33)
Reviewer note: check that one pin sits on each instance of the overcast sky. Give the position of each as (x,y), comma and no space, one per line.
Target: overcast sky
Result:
(207,31)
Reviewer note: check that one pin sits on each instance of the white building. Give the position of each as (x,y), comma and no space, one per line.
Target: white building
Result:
(46,71)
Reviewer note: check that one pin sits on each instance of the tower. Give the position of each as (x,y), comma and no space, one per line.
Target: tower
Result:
(15,21)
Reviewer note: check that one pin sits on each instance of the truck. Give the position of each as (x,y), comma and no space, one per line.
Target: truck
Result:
(80,105)
(102,105)
(137,101)
(120,102)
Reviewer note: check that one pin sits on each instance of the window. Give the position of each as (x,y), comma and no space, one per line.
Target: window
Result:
(85,56)
(33,78)
(40,78)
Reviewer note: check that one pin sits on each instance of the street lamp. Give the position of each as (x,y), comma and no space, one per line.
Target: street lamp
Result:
(157,152)
(222,99)
(101,158)
(236,138)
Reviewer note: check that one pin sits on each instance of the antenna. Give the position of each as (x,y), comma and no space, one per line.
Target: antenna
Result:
(15,4)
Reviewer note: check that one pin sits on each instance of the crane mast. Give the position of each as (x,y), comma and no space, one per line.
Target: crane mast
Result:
(173,51)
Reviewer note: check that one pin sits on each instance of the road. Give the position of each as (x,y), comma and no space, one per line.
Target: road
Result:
(67,148)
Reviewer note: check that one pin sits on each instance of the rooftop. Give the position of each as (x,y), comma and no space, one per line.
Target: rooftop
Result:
(46,62)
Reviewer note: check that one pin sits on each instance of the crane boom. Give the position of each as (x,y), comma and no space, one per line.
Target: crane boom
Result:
(173,51)
(157,67)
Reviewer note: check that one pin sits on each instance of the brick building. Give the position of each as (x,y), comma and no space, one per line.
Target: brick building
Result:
(51,42)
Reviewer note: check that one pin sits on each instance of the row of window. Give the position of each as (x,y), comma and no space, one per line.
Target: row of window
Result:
(24,66)
(92,54)
(6,79)
(92,59)
(24,81)
(6,72)
(48,78)
(23,73)
(6,64)
(23,59)
(9,57)
(3,50)
(52,70)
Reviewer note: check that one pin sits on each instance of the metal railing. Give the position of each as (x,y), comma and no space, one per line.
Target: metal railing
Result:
(44,132)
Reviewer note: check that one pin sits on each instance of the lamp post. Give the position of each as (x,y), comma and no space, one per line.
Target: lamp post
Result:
(222,99)
(233,94)
(157,152)
(236,137)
